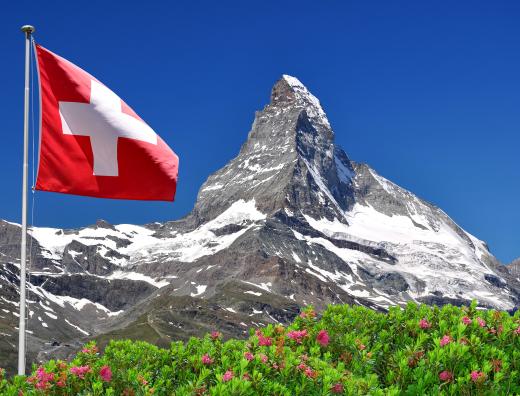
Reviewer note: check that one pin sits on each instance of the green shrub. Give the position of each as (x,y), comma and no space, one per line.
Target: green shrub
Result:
(349,350)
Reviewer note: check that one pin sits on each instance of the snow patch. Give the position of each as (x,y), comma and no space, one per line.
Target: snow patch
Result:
(77,328)
(200,289)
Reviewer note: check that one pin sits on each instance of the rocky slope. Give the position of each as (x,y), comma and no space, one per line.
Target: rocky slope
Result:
(290,221)
(514,268)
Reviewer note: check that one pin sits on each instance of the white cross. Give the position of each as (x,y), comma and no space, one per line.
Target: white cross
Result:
(104,122)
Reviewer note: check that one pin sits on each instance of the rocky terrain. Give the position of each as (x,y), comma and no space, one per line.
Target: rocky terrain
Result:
(514,268)
(290,221)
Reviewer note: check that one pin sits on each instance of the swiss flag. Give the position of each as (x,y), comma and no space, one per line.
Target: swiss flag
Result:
(93,143)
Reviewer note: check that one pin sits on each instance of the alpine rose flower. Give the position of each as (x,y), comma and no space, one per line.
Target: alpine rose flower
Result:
(249,356)
(105,373)
(228,375)
(92,350)
(42,379)
(477,375)
(263,340)
(424,324)
(80,371)
(297,335)
(323,338)
(310,373)
(206,359)
(215,335)
(302,366)
(466,320)
(43,375)
(445,340)
(481,322)
(517,331)
(263,358)
(42,385)
(445,376)
(337,388)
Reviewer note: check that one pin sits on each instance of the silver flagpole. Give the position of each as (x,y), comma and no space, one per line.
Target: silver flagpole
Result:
(28,30)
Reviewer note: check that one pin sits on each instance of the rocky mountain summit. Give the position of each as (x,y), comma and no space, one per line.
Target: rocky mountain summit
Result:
(290,221)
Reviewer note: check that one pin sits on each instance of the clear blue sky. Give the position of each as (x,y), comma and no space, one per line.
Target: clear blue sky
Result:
(428,93)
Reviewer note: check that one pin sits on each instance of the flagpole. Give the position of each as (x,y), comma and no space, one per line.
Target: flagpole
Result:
(28,30)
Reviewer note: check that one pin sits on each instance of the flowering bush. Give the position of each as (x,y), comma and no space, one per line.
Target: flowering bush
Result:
(418,350)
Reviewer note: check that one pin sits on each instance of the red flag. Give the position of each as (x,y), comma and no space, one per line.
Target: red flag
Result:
(93,143)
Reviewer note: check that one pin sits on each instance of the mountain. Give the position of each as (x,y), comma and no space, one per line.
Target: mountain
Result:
(290,221)
(514,268)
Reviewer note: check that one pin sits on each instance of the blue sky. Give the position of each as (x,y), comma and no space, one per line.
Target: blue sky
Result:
(427,93)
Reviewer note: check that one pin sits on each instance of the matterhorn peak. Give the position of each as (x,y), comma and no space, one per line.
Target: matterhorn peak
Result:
(288,90)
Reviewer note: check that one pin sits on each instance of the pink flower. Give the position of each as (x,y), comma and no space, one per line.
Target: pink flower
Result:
(249,356)
(105,373)
(323,338)
(206,360)
(42,385)
(263,340)
(477,375)
(80,371)
(337,388)
(92,350)
(42,379)
(481,322)
(445,376)
(215,335)
(246,377)
(424,324)
(517,331)
(445,340)
(302,366)
(43,376)
(310,373)
(466,320)
(297,335)
(228,375)
(60,384)
(263,358)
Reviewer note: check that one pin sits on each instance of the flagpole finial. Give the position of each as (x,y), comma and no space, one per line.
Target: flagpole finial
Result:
(28,29)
